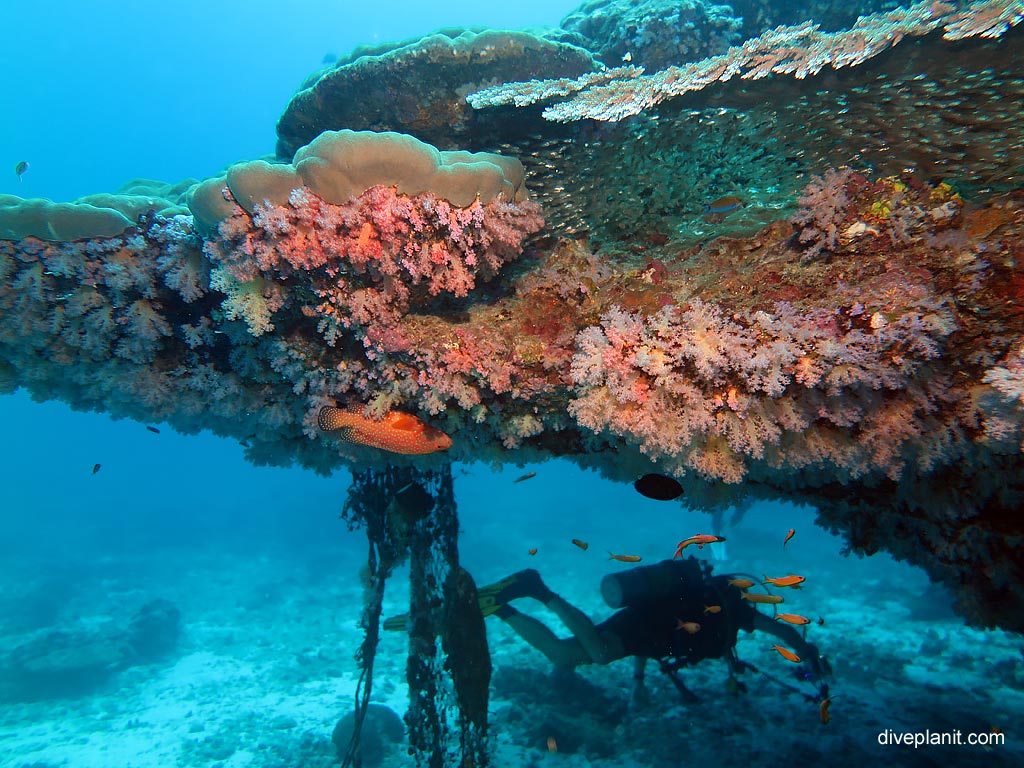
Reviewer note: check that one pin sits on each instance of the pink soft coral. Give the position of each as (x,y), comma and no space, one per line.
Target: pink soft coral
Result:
(713,391)
(367,262)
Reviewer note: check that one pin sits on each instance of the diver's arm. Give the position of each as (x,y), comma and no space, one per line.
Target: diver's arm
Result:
(808,652)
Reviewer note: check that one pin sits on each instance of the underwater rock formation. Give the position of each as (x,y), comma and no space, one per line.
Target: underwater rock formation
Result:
(382,732)
(154,631)
(419,86)
(61,663)
(654,33)
(76,660)
(859,346)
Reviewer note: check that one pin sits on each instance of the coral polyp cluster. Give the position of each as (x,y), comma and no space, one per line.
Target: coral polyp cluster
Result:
(849,388)
(362,264)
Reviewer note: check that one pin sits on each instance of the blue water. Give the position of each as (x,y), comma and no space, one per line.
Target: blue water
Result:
(94,94)
(266,576)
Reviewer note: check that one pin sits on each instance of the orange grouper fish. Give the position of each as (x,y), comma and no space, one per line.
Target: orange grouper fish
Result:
(397,432)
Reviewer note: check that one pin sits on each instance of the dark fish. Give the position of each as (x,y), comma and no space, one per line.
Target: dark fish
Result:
(660,487)
(527,476)
(244,444)
(20,168)
(329,58)
(580,544)
(154,430)
(95,468)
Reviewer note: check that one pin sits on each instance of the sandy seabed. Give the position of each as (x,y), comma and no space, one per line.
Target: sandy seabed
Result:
(265,669)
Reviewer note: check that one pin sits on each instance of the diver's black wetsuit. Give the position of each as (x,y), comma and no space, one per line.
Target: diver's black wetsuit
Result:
(649,628)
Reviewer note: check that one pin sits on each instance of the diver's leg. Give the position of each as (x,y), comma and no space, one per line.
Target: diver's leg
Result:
(563,653)
(601,647)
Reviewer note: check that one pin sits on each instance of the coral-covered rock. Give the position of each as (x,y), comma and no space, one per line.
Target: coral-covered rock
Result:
(92,216)
(863,355)
(654,33)
(340,165)
(419,87)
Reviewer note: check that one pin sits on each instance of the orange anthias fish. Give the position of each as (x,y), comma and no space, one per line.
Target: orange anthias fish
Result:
(690,627)
(712,609)
(792,618)
(741,583)
(823,711)
(700,540)
(757,597)
(785,581)
(789,535)
(787,654)
(533,552)
(581,544)
(624,558)
(397,432)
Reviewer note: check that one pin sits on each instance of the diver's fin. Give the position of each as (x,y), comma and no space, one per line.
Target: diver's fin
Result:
(400,623)
(489,604)
(490,590)
(491,598)
(525,583)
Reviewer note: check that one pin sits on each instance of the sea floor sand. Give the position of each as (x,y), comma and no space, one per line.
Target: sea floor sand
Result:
(264,668)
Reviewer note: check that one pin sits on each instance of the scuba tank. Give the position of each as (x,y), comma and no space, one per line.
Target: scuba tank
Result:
(652,583)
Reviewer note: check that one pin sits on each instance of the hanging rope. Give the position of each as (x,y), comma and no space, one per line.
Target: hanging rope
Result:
(370,499)
(410,512)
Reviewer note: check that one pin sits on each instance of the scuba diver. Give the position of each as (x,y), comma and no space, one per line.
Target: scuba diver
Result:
(675,612)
